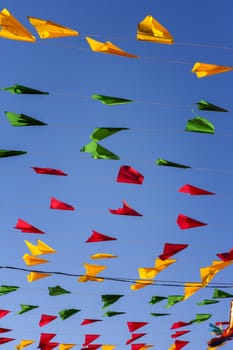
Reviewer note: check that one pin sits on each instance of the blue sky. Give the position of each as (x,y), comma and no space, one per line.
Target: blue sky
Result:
(164,92)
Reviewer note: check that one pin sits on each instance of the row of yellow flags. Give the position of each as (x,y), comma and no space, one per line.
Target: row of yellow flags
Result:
(149,29)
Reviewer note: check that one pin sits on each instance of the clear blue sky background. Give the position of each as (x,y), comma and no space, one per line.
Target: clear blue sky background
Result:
(165,91)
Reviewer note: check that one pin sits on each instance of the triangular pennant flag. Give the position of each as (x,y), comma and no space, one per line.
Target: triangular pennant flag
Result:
(128,174)
(134,337)
(48,171)
(108,347)
(221,294)
(151,30)
(191,288)
(133,326)
(57,290)
(161,265)
(26,227)
(194,191)
(89,338)
(171,249)
(4,340)
(165,162)
(173,299)
(109,100)
(45,319)
(185,222)
(101,133)
(200,124)
(125,210)
(107,47)
(24,343)
(113,313)
(98,152)
(207,106)
(3,313)
(31,260)
(26,308)
(156,299)
(89,321)
(179,344)
(147,272)
(91,272)
(34,276)
(10,153)
(139,284)
(21,89)
(205,69)
(41,248)
(45,338)
(226,256)
(66,346)
(201,318)
(64,314)
(7,289)
(138,346)
(5,330)
(207,302)
(103,256)
(48,29)
(99,237)
(180,324)
(12,29)
(179,334)
(23,120)
(56,204)
(109,299)
(156,314)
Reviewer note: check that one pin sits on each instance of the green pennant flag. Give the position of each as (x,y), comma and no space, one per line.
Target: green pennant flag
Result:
(199,124)
(101,133)
(109,100)
(221,294)
(201,318)
(26,308)
(156,299)
(164,162)
(10,153)
(158,314)
(207,106)
(54,291)
(113,313)
(67,313)
(98,152)
(109,299)
(22,120)
(173,299)
(7,289)
(207,302)
(20,89)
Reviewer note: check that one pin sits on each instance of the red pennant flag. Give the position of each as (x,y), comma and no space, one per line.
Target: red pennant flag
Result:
(56,204)
(134,337)
(180,344)
(88,321)
(127,174)
(49,346)
(5,330)
(179,324)
(179,334)
(26,227)
(45,319)
(49,171)
(133,326)
(125,210)
(4,313)
(194,191)
(99,237)
(171,249)
(137,346)
(5,340)
(45,338)
(89,338)
(226,256)
(185,222)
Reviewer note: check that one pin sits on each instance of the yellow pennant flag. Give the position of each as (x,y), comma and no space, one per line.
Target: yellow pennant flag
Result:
(23,343)
(11,28)
(205,69)
(34,276)
(139,284)
(48,29)
(91,272)
(190,288)
(66,346)
(41,248)
(103,256)
(31,260)
(151,30)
